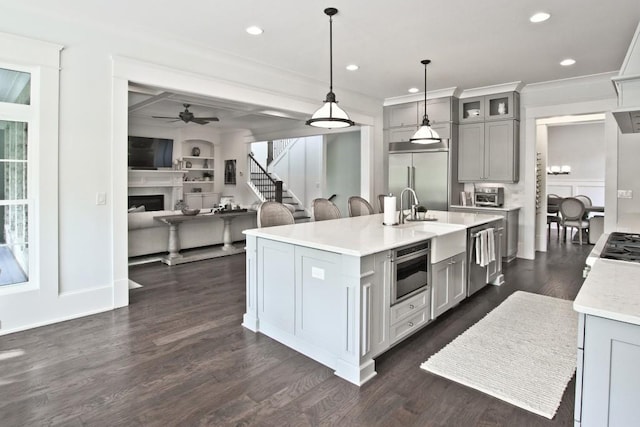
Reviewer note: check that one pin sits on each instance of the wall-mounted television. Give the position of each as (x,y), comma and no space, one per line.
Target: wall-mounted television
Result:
(150,153)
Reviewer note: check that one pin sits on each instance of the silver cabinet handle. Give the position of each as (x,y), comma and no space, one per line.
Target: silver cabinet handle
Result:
(410,323)
(411,306)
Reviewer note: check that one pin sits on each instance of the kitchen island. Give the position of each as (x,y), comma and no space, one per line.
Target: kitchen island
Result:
(324,288)
(608,376)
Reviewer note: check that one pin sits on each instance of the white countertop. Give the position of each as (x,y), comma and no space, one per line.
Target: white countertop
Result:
(597,250)
(505,208)
(611,290)
(365,235)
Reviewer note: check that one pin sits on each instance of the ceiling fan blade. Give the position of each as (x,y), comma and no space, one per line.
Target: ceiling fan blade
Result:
(211,119)
(199,121)
(165,117)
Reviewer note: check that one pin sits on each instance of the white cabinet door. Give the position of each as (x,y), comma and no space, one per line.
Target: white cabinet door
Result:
(449,283)
(610,392)
(458,277)
(441,296)
(317,290)
(276,287)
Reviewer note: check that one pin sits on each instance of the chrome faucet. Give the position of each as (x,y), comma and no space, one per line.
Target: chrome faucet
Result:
(413,207)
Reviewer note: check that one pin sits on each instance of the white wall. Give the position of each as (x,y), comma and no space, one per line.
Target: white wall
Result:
(342,168)
(92,238)
(259,150)
(581,146)
(300,168)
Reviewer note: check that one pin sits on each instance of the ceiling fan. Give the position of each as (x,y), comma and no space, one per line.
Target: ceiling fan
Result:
(187,116)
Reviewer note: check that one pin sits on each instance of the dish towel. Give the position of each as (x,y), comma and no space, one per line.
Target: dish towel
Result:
(485,247)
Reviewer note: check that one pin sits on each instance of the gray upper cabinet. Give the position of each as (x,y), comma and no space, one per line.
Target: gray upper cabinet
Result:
(440,110)
(471,152)
(502,106)
(401,115)
(471,110)
(402,120)
(489,151)
(499,106)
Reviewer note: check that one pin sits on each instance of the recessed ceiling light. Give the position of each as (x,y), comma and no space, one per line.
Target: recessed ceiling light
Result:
(539,17)
(254,30)
(567,62)
(413,90)
(352,67)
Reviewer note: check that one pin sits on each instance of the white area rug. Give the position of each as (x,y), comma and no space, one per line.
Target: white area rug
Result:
(523,352)
(134,285)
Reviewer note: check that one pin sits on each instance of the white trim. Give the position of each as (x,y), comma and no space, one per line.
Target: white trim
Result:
(419,96)
(493,89)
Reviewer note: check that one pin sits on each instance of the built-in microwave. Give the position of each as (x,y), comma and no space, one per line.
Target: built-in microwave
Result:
(411,271)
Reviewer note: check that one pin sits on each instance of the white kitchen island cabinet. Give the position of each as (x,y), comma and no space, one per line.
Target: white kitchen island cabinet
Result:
(324,288)
(331,307)
(608,373)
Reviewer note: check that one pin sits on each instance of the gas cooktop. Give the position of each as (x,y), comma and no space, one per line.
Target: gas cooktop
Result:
(622,246)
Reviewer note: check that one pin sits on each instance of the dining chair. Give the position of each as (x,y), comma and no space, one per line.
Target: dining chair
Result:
(381,203)
(359,206)
(271,214)
(586,201)
(572,211)
(324,209)
(553,213)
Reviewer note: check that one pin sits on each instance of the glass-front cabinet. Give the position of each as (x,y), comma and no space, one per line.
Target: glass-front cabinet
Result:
(499,106)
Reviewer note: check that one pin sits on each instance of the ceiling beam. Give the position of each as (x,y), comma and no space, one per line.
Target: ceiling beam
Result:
(147,102)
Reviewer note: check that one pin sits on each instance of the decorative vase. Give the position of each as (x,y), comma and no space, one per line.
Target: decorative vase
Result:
(195,151)
(188,164)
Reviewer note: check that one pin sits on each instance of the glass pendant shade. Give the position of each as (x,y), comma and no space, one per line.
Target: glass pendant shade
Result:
(425,135)
(330,116)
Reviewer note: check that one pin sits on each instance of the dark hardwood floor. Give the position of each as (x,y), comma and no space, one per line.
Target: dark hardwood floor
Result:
(177,355)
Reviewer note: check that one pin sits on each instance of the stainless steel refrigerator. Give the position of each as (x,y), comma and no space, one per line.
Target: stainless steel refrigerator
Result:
(427,172)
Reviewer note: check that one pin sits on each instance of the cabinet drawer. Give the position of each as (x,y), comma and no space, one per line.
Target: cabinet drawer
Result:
(409,325)
(410,306)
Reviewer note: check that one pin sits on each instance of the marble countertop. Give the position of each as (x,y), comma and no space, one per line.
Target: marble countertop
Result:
(365,235)
(597,250)
(611,290)
(505,208)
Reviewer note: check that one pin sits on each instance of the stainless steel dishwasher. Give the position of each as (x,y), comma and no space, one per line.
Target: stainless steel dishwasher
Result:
(479,276)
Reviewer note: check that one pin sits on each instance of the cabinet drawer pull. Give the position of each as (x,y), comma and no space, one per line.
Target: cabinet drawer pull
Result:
(410,323)
(411,306)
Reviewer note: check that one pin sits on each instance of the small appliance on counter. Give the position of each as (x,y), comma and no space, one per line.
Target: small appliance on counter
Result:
(489,197)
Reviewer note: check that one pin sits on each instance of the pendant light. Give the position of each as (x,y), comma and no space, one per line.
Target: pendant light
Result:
(425,135)
(330,115)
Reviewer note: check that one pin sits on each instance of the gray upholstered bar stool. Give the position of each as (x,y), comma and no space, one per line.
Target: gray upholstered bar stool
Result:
(324,209)
(273,213)
(359,206)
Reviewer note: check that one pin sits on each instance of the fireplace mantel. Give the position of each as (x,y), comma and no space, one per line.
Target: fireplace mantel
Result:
(167,182)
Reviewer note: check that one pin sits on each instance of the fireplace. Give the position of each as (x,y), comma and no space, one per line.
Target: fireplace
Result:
(153,202)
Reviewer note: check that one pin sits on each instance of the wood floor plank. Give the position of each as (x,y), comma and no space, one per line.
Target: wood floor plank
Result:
(177,355)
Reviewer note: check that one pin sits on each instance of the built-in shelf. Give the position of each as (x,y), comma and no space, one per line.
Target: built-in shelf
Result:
(197,169)
(197,158)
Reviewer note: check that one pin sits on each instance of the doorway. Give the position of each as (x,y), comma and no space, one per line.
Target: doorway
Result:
(184,82)
(571,162)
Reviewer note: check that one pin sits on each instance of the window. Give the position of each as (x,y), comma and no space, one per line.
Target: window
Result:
(15,90)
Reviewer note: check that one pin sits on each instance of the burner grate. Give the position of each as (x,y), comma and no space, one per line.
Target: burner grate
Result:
(623,247)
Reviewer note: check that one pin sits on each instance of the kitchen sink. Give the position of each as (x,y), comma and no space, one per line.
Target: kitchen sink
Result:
(450,240)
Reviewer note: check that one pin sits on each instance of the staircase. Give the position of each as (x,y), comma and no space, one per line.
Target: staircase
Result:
(267,188)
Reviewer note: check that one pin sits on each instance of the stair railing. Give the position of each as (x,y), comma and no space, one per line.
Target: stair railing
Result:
(270,188)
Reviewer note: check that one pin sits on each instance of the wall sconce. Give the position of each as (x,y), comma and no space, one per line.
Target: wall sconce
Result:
(559,170)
